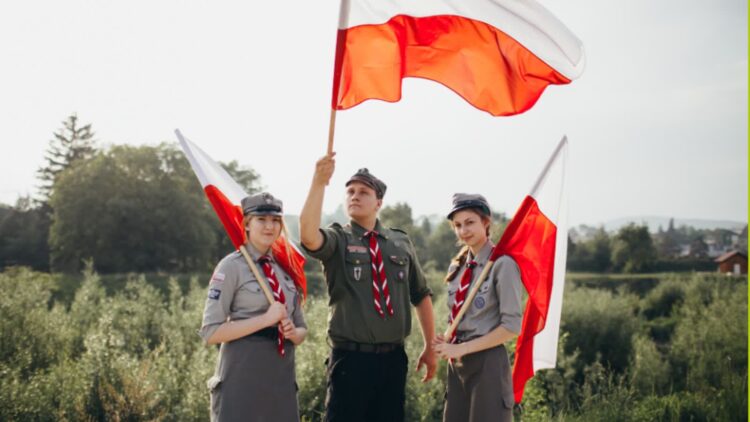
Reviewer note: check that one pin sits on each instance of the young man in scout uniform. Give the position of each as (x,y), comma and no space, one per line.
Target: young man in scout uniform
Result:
(372,275)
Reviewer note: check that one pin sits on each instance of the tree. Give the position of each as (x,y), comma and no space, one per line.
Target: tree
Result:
(698,248)
(397,216)
(23,235)
(71,144)
(246,177)
(633,249)
(133,209)
(442,245)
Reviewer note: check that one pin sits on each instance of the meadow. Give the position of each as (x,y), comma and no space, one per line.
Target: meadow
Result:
(669,347)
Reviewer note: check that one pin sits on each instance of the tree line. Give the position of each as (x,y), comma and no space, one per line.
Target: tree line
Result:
(140,209)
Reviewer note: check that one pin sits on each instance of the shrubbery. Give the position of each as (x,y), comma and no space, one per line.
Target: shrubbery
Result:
(678,352)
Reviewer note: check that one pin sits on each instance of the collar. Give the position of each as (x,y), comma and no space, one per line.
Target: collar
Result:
(483,254)
(359,231)
(255,255)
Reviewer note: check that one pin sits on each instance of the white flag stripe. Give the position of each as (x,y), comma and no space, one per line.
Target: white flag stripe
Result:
(551,197)
(209,172)
(526,21)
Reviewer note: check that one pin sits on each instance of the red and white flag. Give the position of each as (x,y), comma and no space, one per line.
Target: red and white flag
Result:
(499,55)
(537,239)
(225,195)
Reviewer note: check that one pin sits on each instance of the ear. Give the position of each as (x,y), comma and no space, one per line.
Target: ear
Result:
(380,204)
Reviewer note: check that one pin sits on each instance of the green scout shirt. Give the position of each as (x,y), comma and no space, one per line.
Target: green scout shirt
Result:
(346,263)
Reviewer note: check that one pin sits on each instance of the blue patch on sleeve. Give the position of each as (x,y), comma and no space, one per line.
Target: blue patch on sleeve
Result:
(214,293)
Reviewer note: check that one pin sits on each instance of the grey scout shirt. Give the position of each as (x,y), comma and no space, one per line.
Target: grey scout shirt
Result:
(498,301)
(346,263)
(234,293)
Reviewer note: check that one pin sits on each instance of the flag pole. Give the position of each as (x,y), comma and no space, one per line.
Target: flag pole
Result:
(468,300)
(331,130)
(261,281)
(543,175)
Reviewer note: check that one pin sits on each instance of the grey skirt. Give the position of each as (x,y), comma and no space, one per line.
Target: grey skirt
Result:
(480,388)
(253,382)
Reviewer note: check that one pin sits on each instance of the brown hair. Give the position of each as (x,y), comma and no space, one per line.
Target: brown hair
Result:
(459,260)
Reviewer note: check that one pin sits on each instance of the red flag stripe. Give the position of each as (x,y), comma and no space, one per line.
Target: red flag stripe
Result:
(482,64)
(530,240)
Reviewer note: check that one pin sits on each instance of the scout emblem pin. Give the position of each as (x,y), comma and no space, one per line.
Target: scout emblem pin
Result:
(357,273)
(400,275)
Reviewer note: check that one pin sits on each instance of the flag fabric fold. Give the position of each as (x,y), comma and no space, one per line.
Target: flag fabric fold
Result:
(536,238)
(225,196)
(499,55)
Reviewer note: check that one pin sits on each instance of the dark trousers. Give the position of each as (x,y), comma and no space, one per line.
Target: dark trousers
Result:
(366,386)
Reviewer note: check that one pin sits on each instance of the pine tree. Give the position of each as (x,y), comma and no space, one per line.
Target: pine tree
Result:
(71,143)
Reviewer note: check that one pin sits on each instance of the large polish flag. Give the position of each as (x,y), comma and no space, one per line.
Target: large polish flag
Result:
(499,55)
(537,239)
(225,196)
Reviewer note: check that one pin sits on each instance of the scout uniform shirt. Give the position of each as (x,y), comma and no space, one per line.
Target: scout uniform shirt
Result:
(347,266)
(234,293)
(498,301)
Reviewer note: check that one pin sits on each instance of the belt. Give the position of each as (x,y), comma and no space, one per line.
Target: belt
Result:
(270,333)
(351,346)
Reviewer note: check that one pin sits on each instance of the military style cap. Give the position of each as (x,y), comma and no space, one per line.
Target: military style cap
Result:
(262,204)
(363,175)
(469,200)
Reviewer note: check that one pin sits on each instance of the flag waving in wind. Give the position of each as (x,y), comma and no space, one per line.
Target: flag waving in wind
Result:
(226,196)
(537,239)
(499,55)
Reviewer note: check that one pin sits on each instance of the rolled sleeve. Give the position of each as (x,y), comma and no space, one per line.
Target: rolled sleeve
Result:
(418,289)
(508,284)
(221,290)
(327,249)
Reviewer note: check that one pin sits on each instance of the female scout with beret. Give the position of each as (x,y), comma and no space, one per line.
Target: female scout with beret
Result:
(254,378)
(479,386)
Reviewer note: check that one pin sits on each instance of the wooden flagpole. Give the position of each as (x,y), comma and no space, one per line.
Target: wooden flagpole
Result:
(468,300)
(331,130)
(261,280)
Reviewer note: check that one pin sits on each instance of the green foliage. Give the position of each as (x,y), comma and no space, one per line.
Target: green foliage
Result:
(132,208)
(600,328)
(130,352)
(592,254)
(633,249)
(70,145)
(23,235)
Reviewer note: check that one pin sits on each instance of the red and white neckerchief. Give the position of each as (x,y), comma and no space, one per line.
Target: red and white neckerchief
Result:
(379,280)
(461,294)
(278,294)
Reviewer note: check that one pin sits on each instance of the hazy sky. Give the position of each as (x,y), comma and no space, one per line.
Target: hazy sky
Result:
(657,123)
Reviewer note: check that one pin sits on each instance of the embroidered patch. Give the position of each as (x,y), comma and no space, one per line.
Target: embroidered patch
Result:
(357,273)
(356,249)
(214,293)
(217,278)
(400,275)
(479,302)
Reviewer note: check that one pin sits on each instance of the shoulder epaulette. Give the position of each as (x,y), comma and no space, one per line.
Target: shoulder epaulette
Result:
(398,230)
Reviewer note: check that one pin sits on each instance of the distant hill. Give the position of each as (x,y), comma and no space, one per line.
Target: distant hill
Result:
(654,222)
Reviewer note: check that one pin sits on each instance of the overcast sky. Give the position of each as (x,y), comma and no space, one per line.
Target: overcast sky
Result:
(657,123)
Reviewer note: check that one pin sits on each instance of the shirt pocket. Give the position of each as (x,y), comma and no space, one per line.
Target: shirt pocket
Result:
(250,297)
(399,267)
(357,267)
